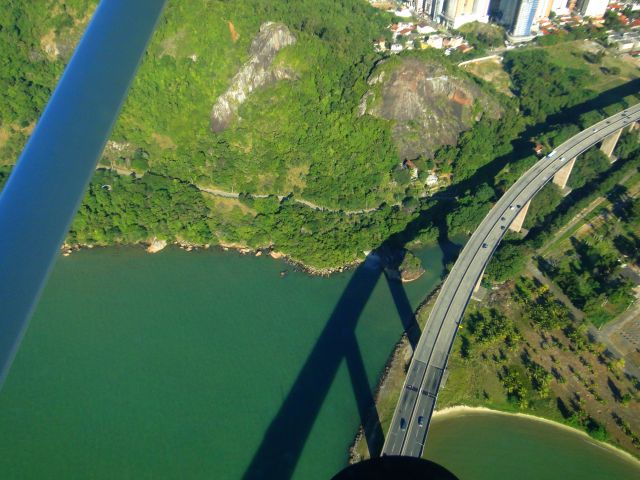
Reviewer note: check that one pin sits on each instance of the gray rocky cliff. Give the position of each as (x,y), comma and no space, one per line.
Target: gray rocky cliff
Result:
(257,72)
(428,105)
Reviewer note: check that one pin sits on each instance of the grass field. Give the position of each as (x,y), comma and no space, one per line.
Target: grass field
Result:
(561,242)
(491,71)
(580,377)
(571,54)
(568,54)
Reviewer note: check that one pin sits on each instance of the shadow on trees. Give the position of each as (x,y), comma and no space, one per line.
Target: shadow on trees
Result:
(562,407)
(283,443)
(570,200)
(521,146)
(615,391)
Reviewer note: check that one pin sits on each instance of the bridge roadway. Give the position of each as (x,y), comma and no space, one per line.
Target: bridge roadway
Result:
(408,431)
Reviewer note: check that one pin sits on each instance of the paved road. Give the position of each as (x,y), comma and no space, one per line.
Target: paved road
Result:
(623,346)
(408,431)
(226,194)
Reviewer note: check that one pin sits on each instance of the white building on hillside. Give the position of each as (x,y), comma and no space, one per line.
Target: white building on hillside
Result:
(560,7)
(435,41)
(593,8)
(424,30)
(456,13)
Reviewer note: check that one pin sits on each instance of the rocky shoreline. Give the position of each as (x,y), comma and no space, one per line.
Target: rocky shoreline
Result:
(156,245)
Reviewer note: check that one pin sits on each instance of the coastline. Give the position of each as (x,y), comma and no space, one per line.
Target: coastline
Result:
(154,246)
(462,410)
(390,383)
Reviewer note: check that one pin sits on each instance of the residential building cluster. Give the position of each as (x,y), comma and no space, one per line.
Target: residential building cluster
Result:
(626,42)
(411,35)
(522,19)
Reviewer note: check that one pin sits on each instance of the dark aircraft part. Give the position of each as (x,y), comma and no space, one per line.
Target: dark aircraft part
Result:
(395,468)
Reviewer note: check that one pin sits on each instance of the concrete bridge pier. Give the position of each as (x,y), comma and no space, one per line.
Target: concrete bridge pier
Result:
(479,283)
(562,176)
(609,143)
(517,223)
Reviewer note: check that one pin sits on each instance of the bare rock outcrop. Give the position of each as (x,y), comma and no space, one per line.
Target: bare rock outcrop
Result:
(257,72)
(156,245)
(429,106)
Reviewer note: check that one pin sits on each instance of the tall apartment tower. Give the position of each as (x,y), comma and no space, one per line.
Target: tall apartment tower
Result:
(428,7)
(516,15)
(524,18)
(504,12)
(417,5)
(458,12)
(543,10)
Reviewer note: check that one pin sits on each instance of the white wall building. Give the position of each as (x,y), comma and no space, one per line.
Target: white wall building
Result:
(404,13)
(424,30)
(435,41)
(458,12)
(560,7)
(543,10)
(593,8)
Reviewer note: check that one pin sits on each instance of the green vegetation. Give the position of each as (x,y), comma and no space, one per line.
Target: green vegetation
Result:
(300,139)
(464,217)
(119,209)
(613,69)
(588,167)
(552,369)
(485,141)
(299,136)
(581,419)
(539,377)
(28,74)
(590,276)
(514,384)
(491,326)
(483,36)
(543,87)
(411,267)
(510,258)
(4,174)
(124,209)
(539,306)
(563,36)
(543,204)
(491,71)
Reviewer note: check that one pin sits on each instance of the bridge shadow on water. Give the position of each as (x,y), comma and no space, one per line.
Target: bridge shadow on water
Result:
(286,436)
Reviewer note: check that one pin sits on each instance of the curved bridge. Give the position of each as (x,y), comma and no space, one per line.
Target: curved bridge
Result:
(409,426)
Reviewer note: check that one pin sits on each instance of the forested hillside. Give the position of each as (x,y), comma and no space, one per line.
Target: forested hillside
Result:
(330,173)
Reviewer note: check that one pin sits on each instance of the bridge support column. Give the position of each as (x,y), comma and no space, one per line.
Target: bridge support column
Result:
(479,283)
(609,143)
(562,177)
(633,126)
(517,223)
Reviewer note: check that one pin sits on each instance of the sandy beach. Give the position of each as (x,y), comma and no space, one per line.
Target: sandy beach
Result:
(461,410)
